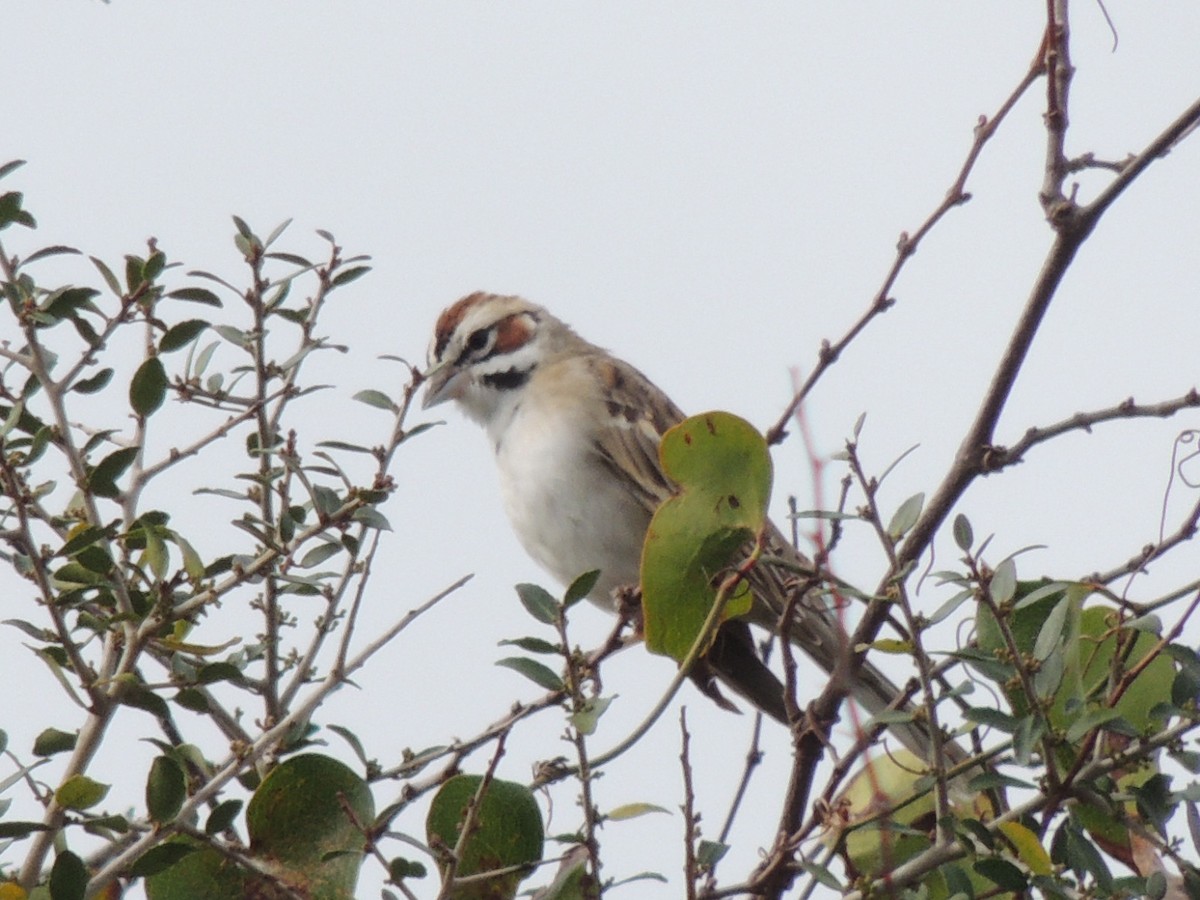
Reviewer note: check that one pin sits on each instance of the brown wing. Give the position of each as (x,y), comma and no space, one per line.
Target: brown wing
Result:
(643,414)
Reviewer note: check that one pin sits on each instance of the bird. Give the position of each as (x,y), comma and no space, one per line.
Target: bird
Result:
(576,432)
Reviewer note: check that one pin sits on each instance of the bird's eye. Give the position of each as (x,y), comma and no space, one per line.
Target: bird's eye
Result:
(478,339)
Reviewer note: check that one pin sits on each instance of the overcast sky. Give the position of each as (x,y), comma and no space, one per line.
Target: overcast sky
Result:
(707,189)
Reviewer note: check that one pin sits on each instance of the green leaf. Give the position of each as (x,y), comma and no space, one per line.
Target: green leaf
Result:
(1094,718)
(11,211)
(944,611)
(52,741)
(66,303)
(234,335)
(372,518)
(963,536)
(138,696)
(94,384)
(148,389)
(377,399)
(1029,848)
(539,603)
(325,500)
(994,718)
(134,268)
(400,868)
(992,780)
(508,832)
(102,481)
(298,818)
(181,335)
(539,674)
(319,554)
(348,275)
(107,274)
(1149,623)
(1155,801)
(343,445)
(1001,873)
(16,829)
(68,877)
(1082,856)
(587,717)
(193,699)
(633,811)
(1026,737)
(166,789)
(906,516)
(80,792)
(580,588)
(723,470)
(12,418)
(10,167)
(155,554)
(709,853)
(196,295)
(155,263)
(532,645)
(1004,581)
(192,563)
(1044,590)
(894,646)
(56,250)
(222,816)
(822,875)
(166,856)
(352,739)
(1052,633)
(218,671)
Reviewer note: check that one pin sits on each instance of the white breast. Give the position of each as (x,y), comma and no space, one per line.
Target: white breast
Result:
(568,509)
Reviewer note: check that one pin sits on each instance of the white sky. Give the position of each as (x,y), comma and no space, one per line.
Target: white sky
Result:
(709,190)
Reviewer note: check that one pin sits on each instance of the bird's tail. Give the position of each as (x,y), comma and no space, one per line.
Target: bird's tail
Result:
(735,661)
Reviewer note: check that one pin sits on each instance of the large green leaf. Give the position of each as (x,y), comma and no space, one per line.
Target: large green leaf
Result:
(296,817)
(508,832)
(148,389)
(723,470)
(299,830)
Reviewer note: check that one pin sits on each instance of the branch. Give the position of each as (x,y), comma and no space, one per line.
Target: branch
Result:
(906,247)
(1185,532)
(1170,137)
(237,762)
(1000,457)
(1073,228)
(1056,49)
(470,823)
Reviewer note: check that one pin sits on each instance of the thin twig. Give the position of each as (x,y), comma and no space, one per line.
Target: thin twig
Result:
(691,872)
(237,763)
(1000,457)
(470,823)
(956,195)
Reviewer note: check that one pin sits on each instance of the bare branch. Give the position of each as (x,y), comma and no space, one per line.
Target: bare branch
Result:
(999,457)
(956,195)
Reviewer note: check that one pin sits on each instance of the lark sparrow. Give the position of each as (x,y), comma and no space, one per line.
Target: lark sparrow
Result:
(576,434)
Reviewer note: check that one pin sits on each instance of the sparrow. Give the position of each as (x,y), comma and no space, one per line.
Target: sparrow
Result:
(576,433)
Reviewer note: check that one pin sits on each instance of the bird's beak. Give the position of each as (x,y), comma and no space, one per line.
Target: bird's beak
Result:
(443,382)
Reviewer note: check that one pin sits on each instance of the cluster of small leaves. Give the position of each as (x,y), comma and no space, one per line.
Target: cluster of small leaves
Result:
(578,687)
(115,591)
(1096,692)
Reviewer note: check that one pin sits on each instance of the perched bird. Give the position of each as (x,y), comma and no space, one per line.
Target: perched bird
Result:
(576,433)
